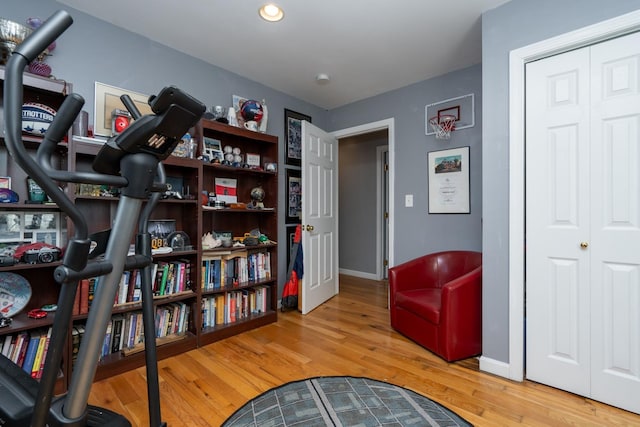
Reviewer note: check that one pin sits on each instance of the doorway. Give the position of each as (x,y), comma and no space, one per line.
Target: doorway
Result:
(381,226)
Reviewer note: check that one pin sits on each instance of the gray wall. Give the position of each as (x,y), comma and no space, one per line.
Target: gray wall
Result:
(511,26)
(416,231)
(357,189)
(93,50)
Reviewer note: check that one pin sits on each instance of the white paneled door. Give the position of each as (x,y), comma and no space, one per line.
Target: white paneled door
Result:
(583,221)
(319,216)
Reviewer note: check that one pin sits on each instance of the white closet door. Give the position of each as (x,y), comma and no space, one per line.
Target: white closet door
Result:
(615,222)
(557,221)
(583,222)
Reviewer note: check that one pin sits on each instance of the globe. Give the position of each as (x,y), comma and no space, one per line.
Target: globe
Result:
(251,110)
(257,196)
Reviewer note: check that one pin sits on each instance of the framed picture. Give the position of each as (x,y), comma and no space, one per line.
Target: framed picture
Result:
(293,136)
(294,196)
(253,160)
(449,181)
(291,233)
(461,107)
(212,150)
(107,99)
(10,226)
(5,182)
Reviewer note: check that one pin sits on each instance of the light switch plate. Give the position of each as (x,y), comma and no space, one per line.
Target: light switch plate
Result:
(408,200)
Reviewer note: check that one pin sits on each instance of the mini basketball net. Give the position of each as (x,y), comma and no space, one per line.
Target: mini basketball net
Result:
(443,125)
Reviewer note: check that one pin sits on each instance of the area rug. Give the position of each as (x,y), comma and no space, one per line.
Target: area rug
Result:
(342,401)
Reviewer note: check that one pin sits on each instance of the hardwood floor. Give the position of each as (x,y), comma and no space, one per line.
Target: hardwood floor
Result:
(348,335)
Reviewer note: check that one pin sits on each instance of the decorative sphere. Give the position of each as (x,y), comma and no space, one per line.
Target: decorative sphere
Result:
(257,194)
(251,110)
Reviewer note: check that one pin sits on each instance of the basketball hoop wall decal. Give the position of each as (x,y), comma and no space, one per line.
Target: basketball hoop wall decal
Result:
(454,114)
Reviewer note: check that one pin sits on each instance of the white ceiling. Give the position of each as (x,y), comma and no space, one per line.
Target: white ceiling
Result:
(367,47)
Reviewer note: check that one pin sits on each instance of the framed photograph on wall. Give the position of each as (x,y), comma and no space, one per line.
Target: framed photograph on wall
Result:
(294,196)
(107,99)
(449,181)
(293,136)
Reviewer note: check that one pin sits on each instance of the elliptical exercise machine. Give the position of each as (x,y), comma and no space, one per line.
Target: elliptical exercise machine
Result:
(130,161)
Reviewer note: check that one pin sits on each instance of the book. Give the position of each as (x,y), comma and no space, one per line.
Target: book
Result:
(106,344)
(30,354)
(116,336)
(133,281)
(164,268)
(7,345)
(44,353)
(21,348)
(38,360)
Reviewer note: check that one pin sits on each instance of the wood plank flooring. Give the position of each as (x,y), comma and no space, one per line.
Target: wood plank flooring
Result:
(348,335)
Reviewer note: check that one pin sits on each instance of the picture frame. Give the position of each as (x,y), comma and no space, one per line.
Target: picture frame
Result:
(461,107)
(107,99)
(291,233)
(293,136)
(31,226)
(212,150)
(449,181)
(253,160)
(293,187)
(5,182)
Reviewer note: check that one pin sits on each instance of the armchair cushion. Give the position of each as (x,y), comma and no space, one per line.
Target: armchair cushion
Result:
(436,300)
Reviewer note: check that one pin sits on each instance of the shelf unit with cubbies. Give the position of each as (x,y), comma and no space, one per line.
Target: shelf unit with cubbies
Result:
(192,177)
(239,220)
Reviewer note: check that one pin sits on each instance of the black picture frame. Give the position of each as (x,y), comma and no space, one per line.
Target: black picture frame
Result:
(293,136)
(293,188)
(291,233)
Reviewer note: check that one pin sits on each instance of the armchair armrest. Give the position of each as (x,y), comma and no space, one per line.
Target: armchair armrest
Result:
(462,298)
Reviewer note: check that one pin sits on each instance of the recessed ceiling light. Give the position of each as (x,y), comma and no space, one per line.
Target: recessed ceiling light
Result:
(322,78)
(270,12)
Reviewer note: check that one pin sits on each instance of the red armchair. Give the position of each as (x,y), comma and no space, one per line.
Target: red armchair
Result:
(436,300)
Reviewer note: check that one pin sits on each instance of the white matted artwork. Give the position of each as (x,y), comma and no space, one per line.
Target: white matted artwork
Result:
(461,107)
(107,99)
(449,181)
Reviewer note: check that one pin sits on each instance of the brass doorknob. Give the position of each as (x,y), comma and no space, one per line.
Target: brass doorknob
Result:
(584,245)
(309,227)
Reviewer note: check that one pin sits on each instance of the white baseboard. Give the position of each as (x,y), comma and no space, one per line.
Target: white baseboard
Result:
(359,274)
(495,367)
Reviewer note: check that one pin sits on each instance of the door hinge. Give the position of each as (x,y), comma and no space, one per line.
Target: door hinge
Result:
(386,215)
(385,262)
(386,167)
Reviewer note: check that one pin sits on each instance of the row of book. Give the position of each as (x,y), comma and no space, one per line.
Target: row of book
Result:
(231,269)
(125,331)
(28,350)
(167,278)
(232,306)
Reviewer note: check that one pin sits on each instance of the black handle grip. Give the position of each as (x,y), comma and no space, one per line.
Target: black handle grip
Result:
(64,117)
(47,33)
(131,106)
